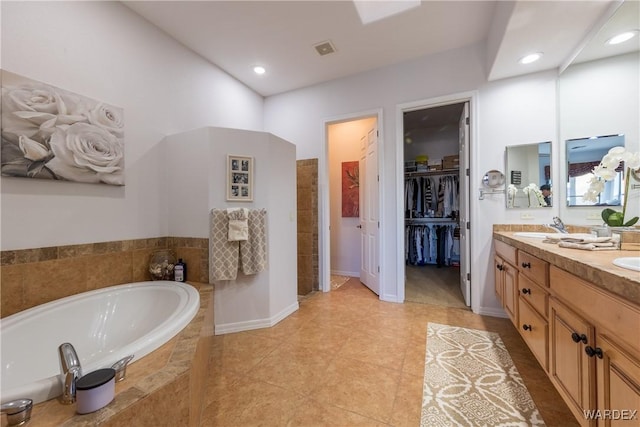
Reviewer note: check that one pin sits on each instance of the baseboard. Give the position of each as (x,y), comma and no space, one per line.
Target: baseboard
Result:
(248,325)
(491,311)
(346,273)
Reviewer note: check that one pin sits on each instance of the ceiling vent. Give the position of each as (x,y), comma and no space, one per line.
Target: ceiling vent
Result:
(325,48)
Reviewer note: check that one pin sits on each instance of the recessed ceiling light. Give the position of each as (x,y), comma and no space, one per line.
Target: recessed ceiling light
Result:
(259,69)
(623,37)
(532,57)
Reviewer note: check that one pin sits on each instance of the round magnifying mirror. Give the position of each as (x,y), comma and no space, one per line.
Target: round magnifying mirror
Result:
(493,179)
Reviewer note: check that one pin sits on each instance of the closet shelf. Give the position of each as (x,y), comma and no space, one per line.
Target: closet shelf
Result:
(432,173)
(431,220)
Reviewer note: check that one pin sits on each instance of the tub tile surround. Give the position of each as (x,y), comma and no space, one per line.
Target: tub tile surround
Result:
(31,277)
(166,387)
(593,266)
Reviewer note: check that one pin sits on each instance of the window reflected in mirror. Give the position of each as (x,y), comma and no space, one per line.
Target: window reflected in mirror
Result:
(583,155)
(529,183)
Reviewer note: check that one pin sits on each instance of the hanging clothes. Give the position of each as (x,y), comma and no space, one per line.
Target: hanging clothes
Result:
(431,196)
(430,244)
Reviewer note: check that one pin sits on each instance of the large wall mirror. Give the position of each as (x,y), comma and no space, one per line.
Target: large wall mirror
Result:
(599,107)
(529,175)
(583,155)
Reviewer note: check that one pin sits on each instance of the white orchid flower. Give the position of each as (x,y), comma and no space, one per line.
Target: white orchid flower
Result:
(604,172)
(590,195)
(633,161)
(617,150)
(611,161)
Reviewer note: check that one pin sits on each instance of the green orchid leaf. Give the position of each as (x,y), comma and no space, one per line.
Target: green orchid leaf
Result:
(606,213)
(613,219)
(631,222)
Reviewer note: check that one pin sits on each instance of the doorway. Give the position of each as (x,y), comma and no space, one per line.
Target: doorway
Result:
(353,220)
(435,146)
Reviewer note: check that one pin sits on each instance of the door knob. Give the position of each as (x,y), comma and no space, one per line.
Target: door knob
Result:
(358,226)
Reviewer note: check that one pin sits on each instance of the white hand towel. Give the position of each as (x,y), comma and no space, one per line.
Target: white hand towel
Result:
(577,238)
(602,246)
(238,224)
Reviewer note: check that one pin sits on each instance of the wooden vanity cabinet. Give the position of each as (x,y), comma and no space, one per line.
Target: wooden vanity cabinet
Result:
(586,338)
(506,282)
(608,373)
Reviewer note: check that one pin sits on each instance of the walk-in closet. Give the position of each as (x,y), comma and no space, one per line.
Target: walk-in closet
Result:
(432,205)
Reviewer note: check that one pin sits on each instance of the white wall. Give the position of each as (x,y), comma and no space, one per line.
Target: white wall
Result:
(510,112)
(104,51)
(249,301)
(344,146)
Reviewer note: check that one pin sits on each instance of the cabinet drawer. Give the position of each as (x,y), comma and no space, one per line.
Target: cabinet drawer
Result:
(534,295)
(535,331)
(507,252)
(534,268)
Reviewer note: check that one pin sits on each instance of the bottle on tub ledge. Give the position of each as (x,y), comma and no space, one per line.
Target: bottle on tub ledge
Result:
(180,271)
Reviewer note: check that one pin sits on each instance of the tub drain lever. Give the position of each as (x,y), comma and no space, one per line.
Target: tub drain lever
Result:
(18,411)
(121,367)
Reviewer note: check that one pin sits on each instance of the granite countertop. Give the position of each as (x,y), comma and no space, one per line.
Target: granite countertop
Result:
(593,266)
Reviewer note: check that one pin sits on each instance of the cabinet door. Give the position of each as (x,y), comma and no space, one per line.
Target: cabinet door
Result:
(499,282)
(570,368)
(510,291)
(618,385)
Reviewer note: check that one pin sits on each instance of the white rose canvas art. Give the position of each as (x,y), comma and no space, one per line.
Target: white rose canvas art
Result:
(51,133)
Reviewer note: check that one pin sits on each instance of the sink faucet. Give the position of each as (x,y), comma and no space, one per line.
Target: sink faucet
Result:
(558,225)
(71,372)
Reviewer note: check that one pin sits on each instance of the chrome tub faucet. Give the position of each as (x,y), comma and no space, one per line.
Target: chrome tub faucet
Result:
(71,372)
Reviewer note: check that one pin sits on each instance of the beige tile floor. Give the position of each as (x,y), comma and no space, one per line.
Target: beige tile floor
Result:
(346,359)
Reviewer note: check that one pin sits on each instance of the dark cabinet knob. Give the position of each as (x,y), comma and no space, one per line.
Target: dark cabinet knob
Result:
(526,291)
(527,327)
(579,337)
(500,267)
(593,351)
(526,265)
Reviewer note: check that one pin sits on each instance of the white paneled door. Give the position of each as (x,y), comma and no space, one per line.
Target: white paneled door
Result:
(369,211)
(465,254)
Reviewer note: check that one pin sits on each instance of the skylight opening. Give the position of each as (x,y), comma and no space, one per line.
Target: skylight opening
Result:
(375,10)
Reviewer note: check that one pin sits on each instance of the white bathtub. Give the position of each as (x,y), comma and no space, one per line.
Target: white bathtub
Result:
(104,326)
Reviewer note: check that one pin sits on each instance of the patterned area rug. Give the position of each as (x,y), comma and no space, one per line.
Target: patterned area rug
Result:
(337,281)
(470,380)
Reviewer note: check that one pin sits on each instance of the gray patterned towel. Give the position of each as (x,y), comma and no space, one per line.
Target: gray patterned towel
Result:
(253,251)
(225,257)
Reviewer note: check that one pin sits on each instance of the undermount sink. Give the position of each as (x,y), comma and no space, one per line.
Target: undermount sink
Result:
(532,234)
(630,263)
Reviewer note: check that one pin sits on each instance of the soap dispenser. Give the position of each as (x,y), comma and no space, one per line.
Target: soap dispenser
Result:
(180,271)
